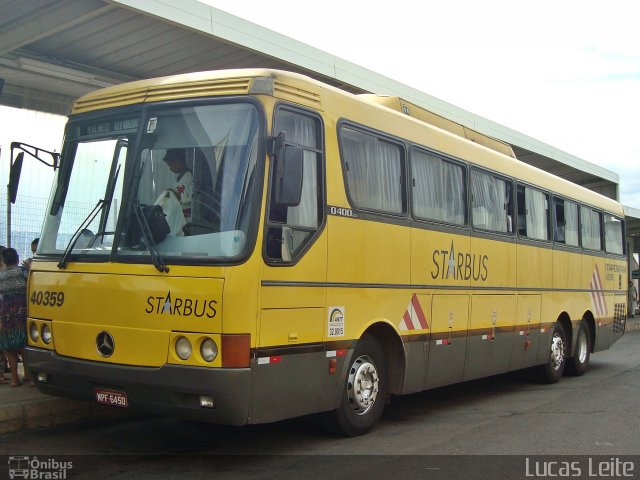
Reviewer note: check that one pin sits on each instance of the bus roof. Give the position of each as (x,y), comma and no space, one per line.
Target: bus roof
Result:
(463,143)
(408,108)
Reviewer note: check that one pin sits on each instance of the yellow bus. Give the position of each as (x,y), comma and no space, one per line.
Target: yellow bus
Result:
(246,246)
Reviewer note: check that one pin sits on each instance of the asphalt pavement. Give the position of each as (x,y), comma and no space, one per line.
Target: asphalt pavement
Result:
(25,408)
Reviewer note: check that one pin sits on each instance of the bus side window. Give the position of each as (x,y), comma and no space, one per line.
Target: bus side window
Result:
(560,223)
(491,202)
(374,170)
(533,213)
(291,229)
(439,189)
(590,228)
(566,222)
(614,234)
(522,212)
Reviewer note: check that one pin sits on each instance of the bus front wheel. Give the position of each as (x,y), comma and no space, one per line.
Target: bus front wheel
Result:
(364,392)
(580,362)
(551,371)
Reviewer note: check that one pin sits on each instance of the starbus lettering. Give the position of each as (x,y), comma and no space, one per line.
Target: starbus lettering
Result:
(182,307)
(459,265)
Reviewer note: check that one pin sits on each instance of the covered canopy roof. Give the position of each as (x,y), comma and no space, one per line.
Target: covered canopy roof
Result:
(53,51)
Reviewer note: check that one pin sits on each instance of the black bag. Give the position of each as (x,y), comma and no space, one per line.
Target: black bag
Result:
(156,220)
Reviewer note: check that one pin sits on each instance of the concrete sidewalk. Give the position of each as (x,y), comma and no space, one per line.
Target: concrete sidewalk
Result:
(25,408)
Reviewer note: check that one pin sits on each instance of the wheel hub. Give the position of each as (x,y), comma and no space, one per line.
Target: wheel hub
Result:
(582,347)
(363,385)
(557,351)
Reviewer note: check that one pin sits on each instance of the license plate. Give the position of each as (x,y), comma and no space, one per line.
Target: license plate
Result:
(111,397)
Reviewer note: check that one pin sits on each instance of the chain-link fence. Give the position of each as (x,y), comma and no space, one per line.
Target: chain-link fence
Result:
(27,215)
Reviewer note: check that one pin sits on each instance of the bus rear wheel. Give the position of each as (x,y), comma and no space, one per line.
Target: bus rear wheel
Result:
(364,392)
(578,364)
(551,371)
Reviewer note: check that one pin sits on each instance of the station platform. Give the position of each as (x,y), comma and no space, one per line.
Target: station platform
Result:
(25,408)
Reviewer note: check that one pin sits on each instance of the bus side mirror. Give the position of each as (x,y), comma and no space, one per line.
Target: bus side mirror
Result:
(14,177)
(288,176)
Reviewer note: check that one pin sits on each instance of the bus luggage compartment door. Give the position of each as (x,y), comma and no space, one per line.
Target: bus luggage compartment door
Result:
(490,335)
(448,345)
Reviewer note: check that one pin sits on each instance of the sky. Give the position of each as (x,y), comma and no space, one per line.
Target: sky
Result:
(565,72)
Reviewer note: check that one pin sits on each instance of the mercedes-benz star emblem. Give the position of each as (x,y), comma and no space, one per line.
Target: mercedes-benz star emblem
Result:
(105,344)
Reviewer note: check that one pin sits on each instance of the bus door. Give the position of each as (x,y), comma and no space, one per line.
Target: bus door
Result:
(616,272)
(289,348)
(615,280)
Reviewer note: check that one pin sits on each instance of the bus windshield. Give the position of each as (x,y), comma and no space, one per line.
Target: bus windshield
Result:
(176,181)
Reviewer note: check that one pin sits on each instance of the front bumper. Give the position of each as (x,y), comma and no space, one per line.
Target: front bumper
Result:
(168,390)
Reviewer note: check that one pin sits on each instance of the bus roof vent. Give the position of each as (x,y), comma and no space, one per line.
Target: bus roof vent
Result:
(400,105)
(297,92)
(144,91)
(221,86)
(109,97)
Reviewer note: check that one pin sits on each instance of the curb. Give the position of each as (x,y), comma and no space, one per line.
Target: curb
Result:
(632,324)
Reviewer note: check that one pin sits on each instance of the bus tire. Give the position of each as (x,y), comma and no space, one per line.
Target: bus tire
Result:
(551,371)
(578,364)
(365,390)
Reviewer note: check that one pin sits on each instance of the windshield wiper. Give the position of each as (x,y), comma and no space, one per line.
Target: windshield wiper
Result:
(157,260)
(78,233)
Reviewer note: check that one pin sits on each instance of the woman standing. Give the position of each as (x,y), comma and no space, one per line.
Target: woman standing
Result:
(13,311)
(3,357)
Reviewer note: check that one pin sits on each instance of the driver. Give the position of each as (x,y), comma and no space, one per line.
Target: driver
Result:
(176,160)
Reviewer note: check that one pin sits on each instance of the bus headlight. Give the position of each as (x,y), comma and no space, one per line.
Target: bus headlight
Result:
(46,333)
(33,332)
(208,350)
(183,348)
